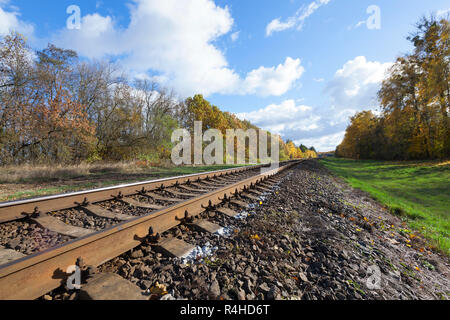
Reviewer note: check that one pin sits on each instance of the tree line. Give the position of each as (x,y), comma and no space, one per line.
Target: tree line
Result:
(58,108)
(415,101)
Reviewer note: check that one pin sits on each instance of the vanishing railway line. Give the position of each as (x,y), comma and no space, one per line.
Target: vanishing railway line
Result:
(102,224)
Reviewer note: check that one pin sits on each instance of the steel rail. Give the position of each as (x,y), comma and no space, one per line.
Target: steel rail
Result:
(33,276)
(16,210)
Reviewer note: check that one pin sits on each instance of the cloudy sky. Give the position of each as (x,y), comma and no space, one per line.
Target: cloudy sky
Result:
(297,67)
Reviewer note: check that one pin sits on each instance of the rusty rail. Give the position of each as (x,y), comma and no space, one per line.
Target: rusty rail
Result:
(15,210)
(33,276)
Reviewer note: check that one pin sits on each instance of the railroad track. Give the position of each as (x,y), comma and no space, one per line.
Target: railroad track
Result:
(99,225)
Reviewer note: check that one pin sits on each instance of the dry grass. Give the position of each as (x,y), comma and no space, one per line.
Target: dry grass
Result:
(47,173)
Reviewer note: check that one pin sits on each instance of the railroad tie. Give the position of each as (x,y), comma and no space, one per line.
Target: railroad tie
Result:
(267,185)
(181,194)
(8,255)
(103,213)
(158,197)
(175,248)
(139,204)
(192,189)
(255,192)
(249,196)
(224,180)
(227,211)
(206,226)
(204,184)
(263,189)
(239,203)
(56,225)
(110,286)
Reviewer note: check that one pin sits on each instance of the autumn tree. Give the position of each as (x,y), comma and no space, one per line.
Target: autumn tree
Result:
(415,103)
(55,108)
(16,69)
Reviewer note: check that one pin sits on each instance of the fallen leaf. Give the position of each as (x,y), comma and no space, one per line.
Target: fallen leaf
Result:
(158,289)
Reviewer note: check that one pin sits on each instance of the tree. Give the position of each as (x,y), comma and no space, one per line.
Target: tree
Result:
(415,103)
(55,108)
(16,69)
(358,141)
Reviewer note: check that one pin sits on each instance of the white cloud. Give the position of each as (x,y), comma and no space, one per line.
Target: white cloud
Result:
(356,84)
(276,26)
(442,13)
(302,124)
(235,36)
(273,81)
(295,21)
(359,24)
(9,21)
(323,143)
(175,41)
(95,39)
(287,119)
(353,88)
(340,117)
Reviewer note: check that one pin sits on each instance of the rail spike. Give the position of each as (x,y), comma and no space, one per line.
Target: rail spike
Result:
(152,237)
(225,198)
(209,206)
(34,214)
(85,203)
(142,191)
(118,196)
(187,219)
(86,270)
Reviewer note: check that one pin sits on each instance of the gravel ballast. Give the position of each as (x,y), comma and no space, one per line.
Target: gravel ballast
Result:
(28,238)
(313,238)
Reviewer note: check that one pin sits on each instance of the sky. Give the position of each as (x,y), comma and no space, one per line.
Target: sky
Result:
(300,68)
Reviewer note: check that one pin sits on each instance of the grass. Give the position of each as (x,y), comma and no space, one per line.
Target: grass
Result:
(25,182)
(417,191)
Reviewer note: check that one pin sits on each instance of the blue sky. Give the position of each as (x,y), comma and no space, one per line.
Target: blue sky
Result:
(297,67)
